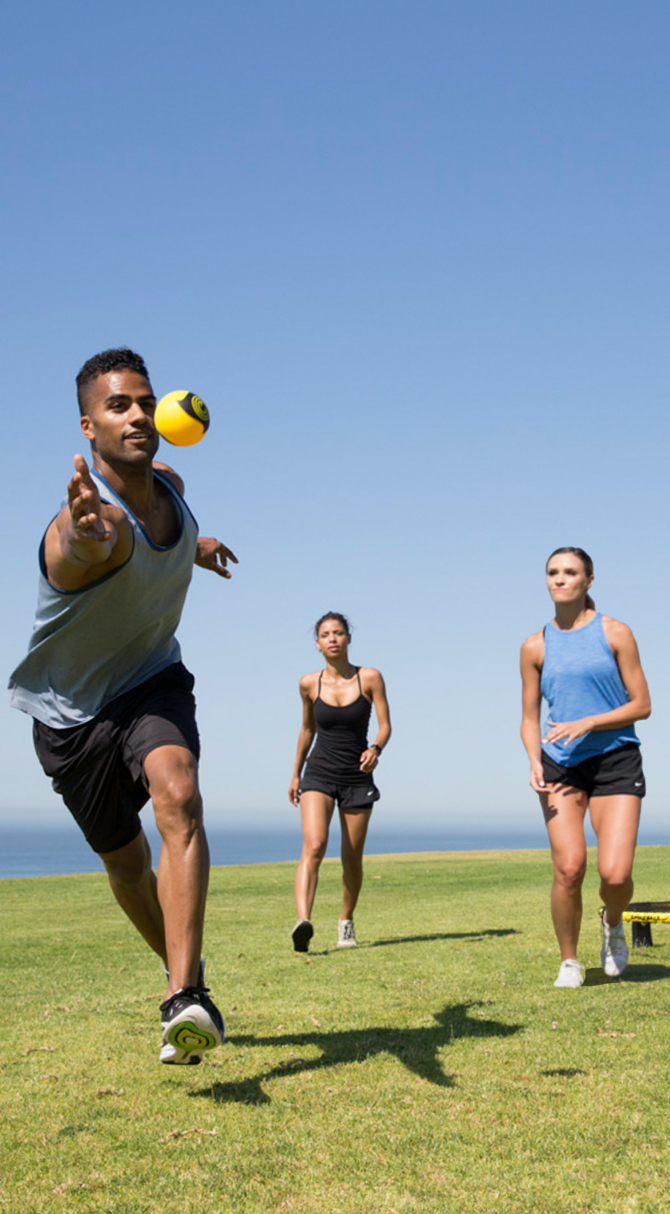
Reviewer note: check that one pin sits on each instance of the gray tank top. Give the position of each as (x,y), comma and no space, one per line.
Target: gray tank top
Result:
(90,645)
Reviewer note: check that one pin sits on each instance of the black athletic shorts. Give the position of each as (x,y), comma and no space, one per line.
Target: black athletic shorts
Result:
(98,767)
(616,772)
(361,795)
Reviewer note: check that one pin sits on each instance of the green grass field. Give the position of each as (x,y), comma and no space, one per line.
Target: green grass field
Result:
(435,1068)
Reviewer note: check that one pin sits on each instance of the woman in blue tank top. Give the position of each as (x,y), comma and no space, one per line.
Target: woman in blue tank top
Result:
(587,755)
(337,703)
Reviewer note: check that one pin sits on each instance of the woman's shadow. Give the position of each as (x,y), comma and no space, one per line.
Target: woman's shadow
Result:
(416,1048)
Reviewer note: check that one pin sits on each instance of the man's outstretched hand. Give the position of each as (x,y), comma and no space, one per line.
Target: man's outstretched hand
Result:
(212,554)
(87,523)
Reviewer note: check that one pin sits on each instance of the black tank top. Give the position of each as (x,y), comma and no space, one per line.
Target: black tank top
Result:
(342,736)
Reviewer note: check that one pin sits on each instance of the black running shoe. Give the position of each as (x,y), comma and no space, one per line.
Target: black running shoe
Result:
(191,1024)
(302,934)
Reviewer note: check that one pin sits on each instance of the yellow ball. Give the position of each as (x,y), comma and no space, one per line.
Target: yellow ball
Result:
(182,418)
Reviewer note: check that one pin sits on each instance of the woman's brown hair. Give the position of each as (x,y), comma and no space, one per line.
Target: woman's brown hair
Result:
(333,615)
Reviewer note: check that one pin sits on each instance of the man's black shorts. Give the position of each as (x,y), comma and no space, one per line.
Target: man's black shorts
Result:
(98,767)
(617,772)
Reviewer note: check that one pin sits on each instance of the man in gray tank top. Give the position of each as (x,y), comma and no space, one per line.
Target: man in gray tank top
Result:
(112,705)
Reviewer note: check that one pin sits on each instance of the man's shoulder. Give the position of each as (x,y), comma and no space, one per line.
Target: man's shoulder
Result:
(170,475)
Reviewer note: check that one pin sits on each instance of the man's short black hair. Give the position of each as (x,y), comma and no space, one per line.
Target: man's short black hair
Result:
(108,360)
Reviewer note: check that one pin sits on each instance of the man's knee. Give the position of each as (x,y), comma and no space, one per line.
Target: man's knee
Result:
(172,774)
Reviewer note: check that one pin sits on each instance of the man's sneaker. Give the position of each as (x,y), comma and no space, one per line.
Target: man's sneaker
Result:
(302,934)
(191,1024)
(346,936)
(571,973)
(614,952)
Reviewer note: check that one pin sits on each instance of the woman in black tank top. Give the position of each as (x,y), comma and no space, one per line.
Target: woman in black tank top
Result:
(337,703)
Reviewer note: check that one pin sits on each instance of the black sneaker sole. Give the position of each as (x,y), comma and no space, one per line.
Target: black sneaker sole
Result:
(302,934)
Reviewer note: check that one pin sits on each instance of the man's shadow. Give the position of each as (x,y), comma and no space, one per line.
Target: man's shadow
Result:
(416,1048)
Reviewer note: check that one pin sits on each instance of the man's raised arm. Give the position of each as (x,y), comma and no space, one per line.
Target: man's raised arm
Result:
(86,539)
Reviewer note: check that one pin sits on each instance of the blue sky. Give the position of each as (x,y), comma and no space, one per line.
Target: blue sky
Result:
(414,257)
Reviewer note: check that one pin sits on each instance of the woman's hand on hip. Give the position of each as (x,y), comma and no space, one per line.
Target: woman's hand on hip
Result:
(569,731)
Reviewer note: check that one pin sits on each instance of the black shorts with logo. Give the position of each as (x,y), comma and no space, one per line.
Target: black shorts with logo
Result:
(362,794)
(617,772)
(98,767)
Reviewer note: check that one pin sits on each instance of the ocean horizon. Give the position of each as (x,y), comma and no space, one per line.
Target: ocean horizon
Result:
(47,850)
(41,850)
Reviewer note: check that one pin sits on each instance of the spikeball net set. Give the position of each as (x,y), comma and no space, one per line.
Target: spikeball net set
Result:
(642,915)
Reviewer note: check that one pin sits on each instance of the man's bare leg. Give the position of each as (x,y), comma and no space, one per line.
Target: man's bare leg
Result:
(183,869)
(135,888)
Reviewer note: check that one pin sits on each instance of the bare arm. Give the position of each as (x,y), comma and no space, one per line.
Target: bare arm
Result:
(374,685)
(305,737)
(532,657)
(87,539)
(211,553)
(638,707)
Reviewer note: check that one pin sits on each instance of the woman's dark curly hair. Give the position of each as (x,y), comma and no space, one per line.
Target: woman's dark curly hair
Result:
(333,615)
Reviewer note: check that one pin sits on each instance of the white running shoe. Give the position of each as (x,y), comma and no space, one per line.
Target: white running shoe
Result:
(614,952)
(346,936)
(571,973)
(191,1023)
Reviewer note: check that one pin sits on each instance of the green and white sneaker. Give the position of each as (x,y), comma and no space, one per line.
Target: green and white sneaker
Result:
(191,1024)
(346,936)
(614,952)
(571,973)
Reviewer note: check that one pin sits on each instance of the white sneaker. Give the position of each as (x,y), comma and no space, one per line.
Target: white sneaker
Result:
(614,952)
(346,936)
(571,973)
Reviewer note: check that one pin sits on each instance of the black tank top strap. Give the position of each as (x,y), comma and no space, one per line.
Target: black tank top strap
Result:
(358,676)
(318,690)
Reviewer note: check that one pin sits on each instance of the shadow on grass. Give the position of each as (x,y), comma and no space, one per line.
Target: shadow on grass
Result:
(480,935)
(646,973)
(563,1072)
(416,1048)
(597,977)
(634,973)
(487,931)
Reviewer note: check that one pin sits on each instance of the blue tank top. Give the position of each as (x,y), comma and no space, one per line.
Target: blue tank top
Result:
(580,678)
(90,645)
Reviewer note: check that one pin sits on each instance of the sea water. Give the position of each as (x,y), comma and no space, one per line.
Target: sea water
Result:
(47,850)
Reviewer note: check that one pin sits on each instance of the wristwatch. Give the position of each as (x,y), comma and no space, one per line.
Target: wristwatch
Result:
(374,746)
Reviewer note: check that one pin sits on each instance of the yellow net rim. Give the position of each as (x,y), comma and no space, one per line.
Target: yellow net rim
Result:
(645,914)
